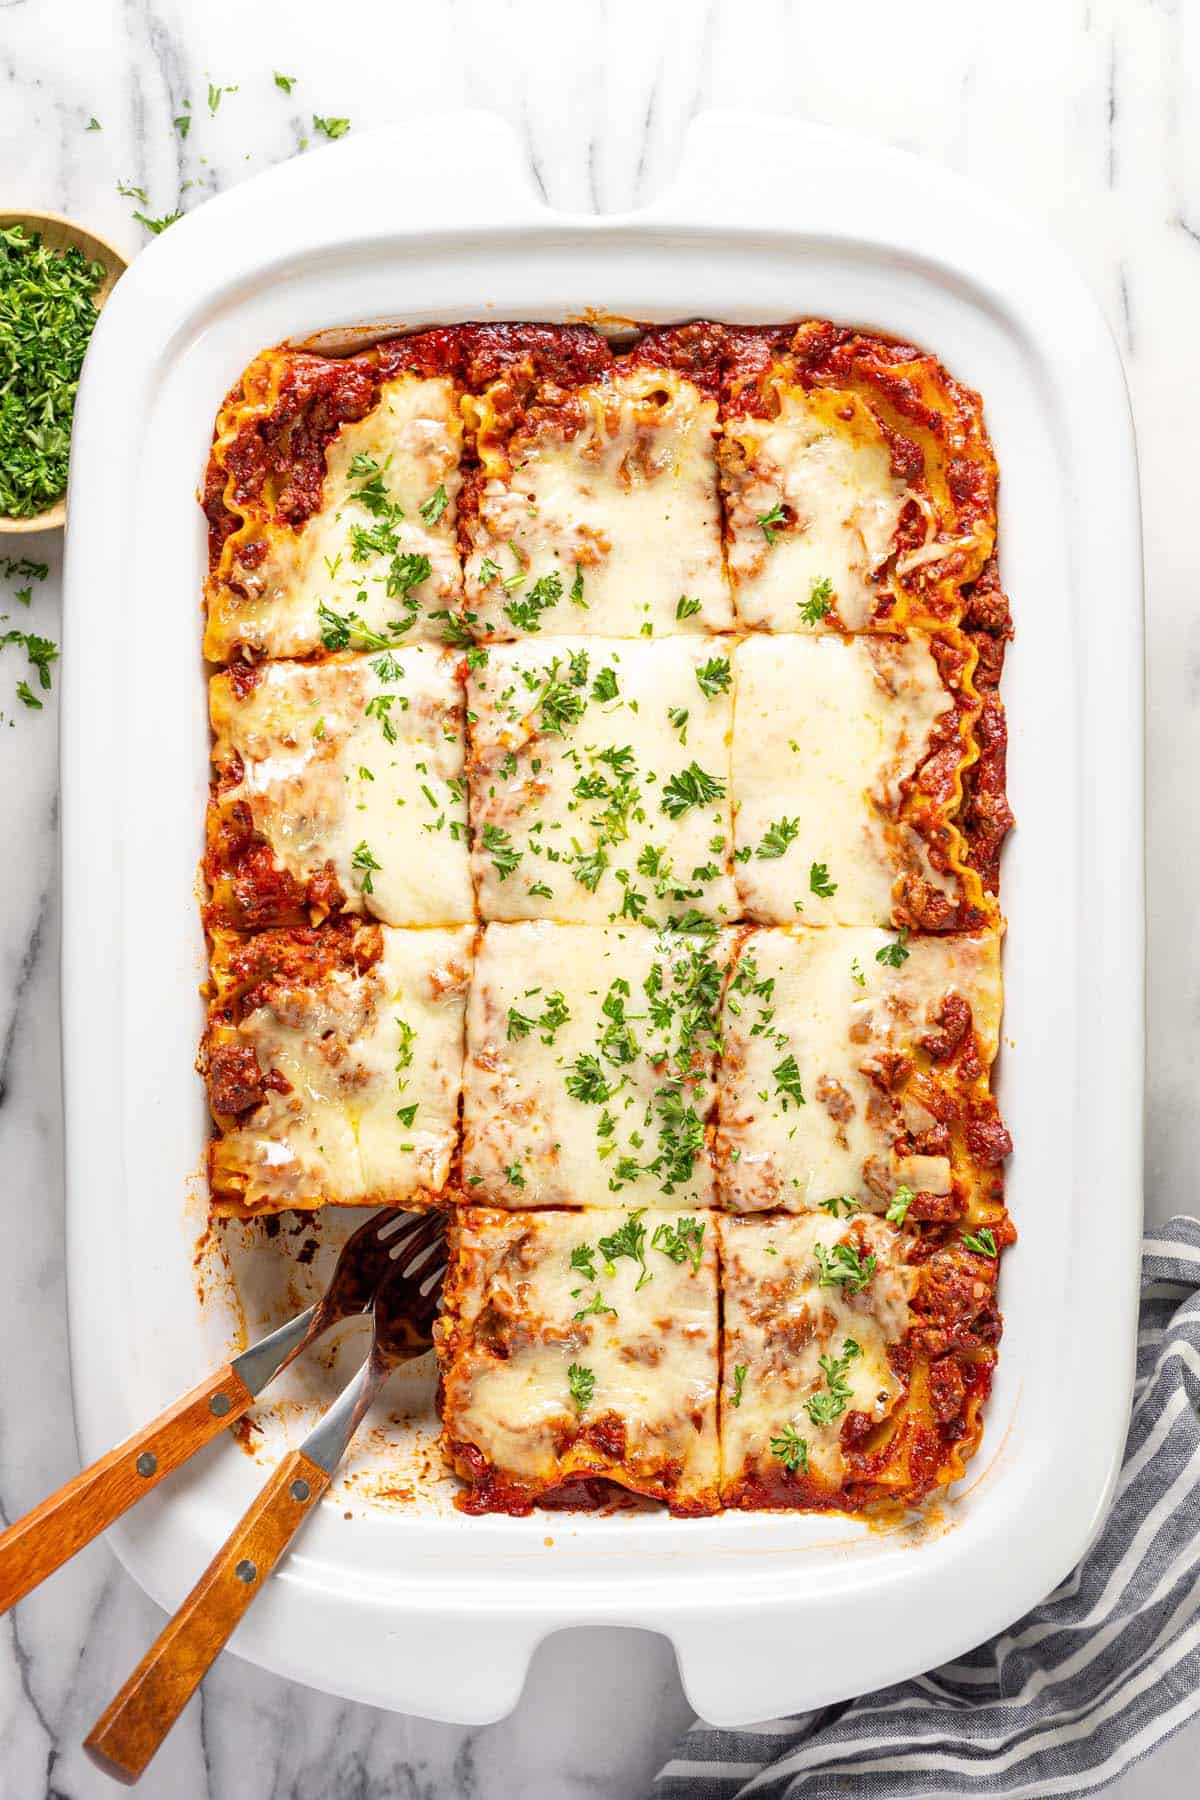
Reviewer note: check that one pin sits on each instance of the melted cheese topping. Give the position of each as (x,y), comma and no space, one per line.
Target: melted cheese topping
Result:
(356,1052)
(822,468)
(780,1322)
(613,809)
(363,560)
(618,491)
(589,1073)
(512,1333)
(825,731)
(357,761)
(854,1027)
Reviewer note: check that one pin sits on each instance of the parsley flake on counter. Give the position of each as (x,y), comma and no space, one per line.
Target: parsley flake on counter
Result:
(285,82)
(330,128)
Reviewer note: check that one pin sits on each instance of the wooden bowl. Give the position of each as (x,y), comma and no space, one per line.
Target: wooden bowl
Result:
(58,234)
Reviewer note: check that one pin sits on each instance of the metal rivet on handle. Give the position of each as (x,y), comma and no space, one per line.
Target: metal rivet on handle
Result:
(219,1405)
(147,1463)
(300,1491)
(246,1571)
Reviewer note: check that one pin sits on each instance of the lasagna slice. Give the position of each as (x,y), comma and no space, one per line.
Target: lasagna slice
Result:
(332,498)
(594,505)
(849,755)
(579,1351)
(334,1065)
(599,773)
(589,1072)
(339,788)
(814,1361)
(855,1076)
(859,482)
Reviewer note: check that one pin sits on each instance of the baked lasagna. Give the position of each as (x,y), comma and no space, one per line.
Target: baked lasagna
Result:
(603,847)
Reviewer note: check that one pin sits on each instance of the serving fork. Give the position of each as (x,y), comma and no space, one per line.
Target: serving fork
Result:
(53,1532)
(136,1721)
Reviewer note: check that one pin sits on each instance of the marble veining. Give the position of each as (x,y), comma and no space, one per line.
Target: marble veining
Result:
(1083,113)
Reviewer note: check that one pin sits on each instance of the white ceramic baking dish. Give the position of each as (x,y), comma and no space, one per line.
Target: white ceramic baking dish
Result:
(412,1606)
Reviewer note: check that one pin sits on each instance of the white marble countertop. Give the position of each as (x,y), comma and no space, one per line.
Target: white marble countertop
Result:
(1084,112)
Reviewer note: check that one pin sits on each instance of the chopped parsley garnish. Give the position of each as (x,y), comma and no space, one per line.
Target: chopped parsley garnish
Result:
(791,1450)
(598,1305)
(368,868)
(588,867)
(432,509)
(819,882)
(526,613)
(839,1206)
(46,318)
(824,1408)
(895,954)
(983,1242)
(378,707)
(739,1382)
(820,599)
(583,1261)
(498,844)
(685,607)
(682,1242)
(713,678)
(690,787)
(576,595)
(554,1014)
(286,82)
(778,838)
(629,1240)
(787,1083)
(843,1267)
(489,571)
(586,1081)
(678,715)
(26,694)
(331,128)
(768,520)
(41,652)
(901,1200)
(605,686)
(582,1383)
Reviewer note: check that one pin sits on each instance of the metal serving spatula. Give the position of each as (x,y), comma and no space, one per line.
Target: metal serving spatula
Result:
(53,1532)
(132,1727)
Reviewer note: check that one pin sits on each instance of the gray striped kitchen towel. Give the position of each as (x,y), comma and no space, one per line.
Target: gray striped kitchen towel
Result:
(1103,1670)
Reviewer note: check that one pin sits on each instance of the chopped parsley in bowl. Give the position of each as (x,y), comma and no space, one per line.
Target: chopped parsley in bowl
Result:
(53,279)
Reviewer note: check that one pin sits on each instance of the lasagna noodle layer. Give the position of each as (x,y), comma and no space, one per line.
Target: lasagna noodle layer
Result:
(340,787)
(589,1072)
(855,1069)
(334,1065)
(858,480)
(600,780)
(594,507)
(359,550)
(848,761)
(580,1348)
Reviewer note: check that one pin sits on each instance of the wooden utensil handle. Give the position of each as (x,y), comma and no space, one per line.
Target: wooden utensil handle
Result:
(49,1535)
(132,1727)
